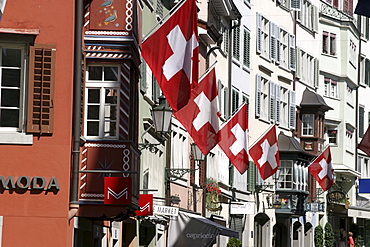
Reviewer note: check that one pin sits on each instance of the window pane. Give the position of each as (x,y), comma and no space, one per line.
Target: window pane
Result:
(111,96)
(94,96)
(11,77)
(95,73)
(11,57)
(110,73)
(9,118)
(10,97)
(110,129)
(93,112)
(92,128)
(110,112)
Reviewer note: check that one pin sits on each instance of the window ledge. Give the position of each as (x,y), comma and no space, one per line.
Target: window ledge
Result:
(16,138)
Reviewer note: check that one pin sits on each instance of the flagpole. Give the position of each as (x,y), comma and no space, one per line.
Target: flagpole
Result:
(264,133)
(164,19)
(228,120)
(207,70)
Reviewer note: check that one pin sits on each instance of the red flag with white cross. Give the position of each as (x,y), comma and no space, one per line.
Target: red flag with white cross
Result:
(172,54)
(234,139)
(265,153)
(322,170)
(201,117)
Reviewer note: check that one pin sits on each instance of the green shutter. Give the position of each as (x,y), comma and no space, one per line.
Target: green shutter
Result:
(251,177)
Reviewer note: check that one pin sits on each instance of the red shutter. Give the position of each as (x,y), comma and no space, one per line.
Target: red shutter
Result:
(40,115)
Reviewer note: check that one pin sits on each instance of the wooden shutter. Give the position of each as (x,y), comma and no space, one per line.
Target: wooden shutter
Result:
(295,5)
(361,121)
(236,43)
(367,72)
(259,33)
(292,106)
(317,72)
(315,19)
(367,28)
(278,53)
(246,48)
(251,173)
(272,102)
(41,80)
(277,118)
(292,52)
(272,41)
(258,96)
(299,65)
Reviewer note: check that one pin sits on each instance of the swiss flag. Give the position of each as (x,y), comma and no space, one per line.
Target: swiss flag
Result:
(172,54)
(234,139)
(200,116)
(365,142)
(322,170)
(265,154)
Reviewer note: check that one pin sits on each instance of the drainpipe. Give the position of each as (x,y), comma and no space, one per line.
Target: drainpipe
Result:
(357,88)
(73,203)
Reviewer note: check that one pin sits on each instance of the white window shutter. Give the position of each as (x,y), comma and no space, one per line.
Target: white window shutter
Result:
(272,41)
(292,110)
(277,118)
(317,73)
(278,54)
(258,96)
(292,52)
(315,19)
(295,5)
(272,107)
(259,33)
(299,65)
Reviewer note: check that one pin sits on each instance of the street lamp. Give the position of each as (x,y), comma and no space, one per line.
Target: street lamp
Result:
(197,154)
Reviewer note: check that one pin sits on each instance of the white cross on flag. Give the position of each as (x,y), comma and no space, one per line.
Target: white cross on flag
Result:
(322,170)
(201,117)
(234,139)
(172,54)
(265,154)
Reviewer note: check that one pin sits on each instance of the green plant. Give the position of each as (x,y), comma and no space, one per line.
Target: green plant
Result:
(358,241)
(329,235)
(319,236)
(234,242)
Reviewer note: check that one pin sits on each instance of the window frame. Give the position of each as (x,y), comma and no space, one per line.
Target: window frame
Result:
(306,127)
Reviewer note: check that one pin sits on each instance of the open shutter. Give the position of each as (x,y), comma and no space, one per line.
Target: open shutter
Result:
(292,52)
(251,173)
(277,119)
(292,116)
(258,96)
(317,73)
(278,54)
(272,102)
(295,5)
(272,41)
(246,48)
(367,28)
(299,64)
(367,72)
(40,112)
(236,43)
(259,33)
(361,121)
(315,19)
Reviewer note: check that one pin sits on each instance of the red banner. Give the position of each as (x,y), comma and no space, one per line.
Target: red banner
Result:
(145,204)
(117,190)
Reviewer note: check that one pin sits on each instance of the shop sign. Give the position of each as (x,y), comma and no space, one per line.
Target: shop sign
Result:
(28,183)
(242,208)
(314,207)
(165,210)
(117,190)
(336,196)
(145,204)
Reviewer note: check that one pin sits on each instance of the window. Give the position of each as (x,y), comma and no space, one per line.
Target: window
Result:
(284,49)
(246,48)
(283,107)
(263,30)
(223,95)
(234,100)
(329,43)
(352,54)
(292,52)
(350,95)
(308,123)
(285,173)
(307,68)
(102,102)
(308,16)
(159,10)
(330,88)
(348,7)
(331,133)
(367,72)
(364,26)
(349,138)
(262,97)
(225,39)
(14,89)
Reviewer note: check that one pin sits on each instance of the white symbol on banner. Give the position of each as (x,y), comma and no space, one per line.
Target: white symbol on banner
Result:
(207,112)
(117,195)
(241,139)
(145,207)
(325,169)
(268,154)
